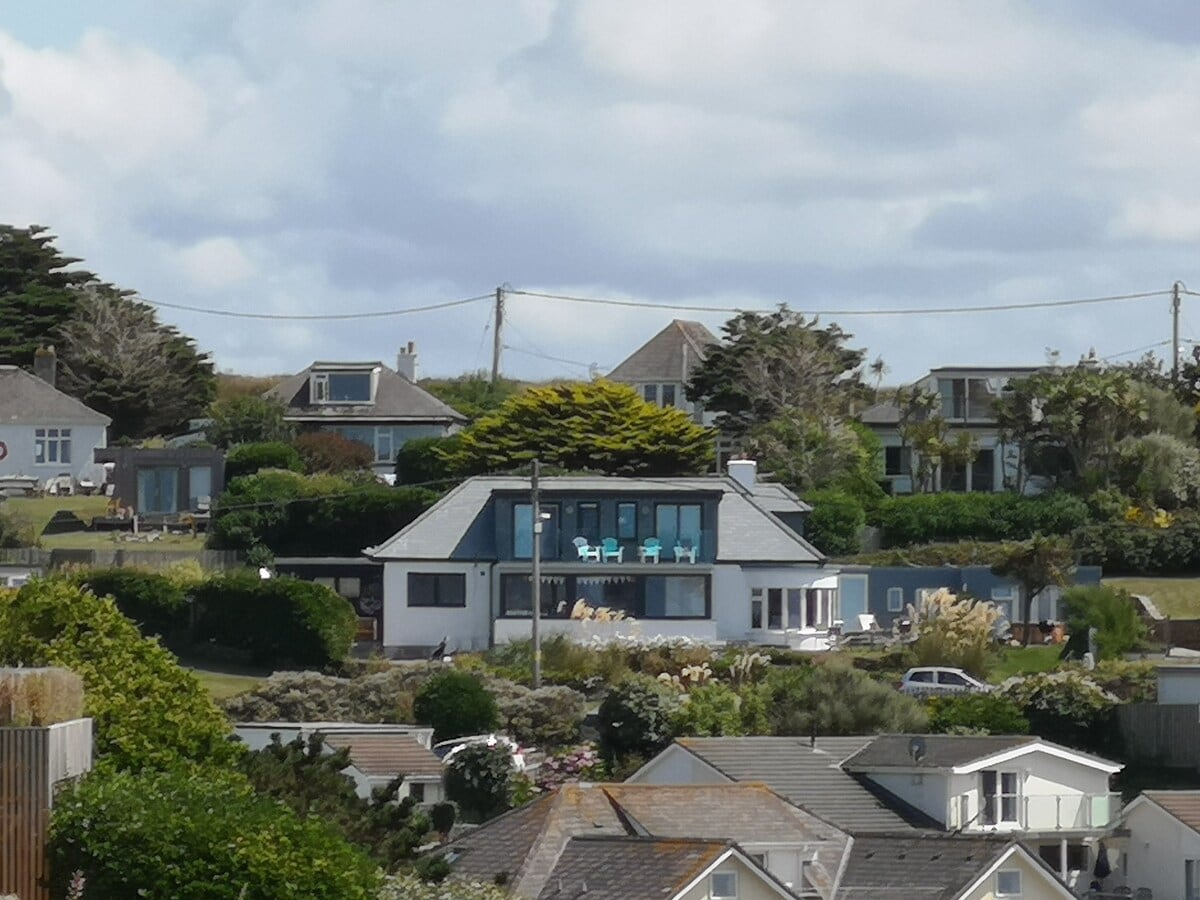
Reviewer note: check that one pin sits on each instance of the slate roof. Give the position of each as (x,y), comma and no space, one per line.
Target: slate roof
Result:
(777,498)
(526,844)
(747,532)
(27,400)
(917,868)
(942,751)
(880,414)
(621,868)
(811,777)
(396,399)
(670,355)
(1183,805)
(387,755)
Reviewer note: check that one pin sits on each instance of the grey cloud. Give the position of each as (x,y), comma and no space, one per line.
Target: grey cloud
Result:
(1034,223)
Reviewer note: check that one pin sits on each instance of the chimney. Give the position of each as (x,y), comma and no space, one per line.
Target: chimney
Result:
(45,364)
(744,472)
(406,362)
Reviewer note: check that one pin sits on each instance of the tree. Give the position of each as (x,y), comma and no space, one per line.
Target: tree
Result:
(455,703)
(635,718)
(836,522)
(778,363)
(328,451)
(1159,470)
(839,700)
(474,394)
(480,779)
(1042,561)
(805,453)
(598,426)
(120,360)
(423,460)
(1111,612)
(242,419)
(37,291)
(928,437)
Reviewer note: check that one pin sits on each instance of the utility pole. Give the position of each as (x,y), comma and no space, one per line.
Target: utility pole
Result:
(1175,332)
(497,339)
(537,575)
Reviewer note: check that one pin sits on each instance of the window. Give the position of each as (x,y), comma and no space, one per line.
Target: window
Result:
(966,398)
(1005,599)
(668,395)
(852,597)
(954,476)
(952,678)
(678,522)
(897,460)
(1191,879)
(158,489)
(1008,884)
(921,677)
(199,486)
(895,599)
(51,445)
(999,794)
(349,387)
(676,597)
(516,596)
(437,589)
(723,886)
(589,522)
(417,792)
(983,471)
(756,608)
(650,393)
(523,531)
(775,609)
(616,592)
(627,521)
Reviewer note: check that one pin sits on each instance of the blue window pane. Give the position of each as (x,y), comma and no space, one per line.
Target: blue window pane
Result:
(627,521)
(666,518)
(350,387)
(522,531)
(689,525)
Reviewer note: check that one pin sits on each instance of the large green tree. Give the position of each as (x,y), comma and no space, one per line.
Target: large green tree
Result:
(596,426)
(248,419)
(120,360)
(37,291)
(1041,562)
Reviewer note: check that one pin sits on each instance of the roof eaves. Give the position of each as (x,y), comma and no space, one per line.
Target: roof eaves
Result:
(1036,744)
(969,889)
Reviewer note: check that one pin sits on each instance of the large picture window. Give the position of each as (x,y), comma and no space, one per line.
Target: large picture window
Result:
(437,589)
(51,445)
(523,531)
(638,596)
(589,522)
(676,597)
(516,596)
(349,387)
(678,523)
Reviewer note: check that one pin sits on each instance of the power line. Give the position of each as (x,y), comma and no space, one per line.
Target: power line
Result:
(929,310)
(547,356)
(1164,343)
(289,317)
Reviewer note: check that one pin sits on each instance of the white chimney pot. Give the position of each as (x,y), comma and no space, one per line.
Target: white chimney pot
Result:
(744,472)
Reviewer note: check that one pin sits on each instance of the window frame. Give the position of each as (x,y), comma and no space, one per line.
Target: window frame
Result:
(995,799)
(898,607)
(712,886)
(1191,879)
(663,390)
(459,577)
(1000,892)
(52,445)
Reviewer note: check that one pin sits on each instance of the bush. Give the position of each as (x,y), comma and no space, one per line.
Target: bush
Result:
(191,834)
(1067,707)
(926,518)
(13,533)
(548,718)
(423,460)
(975,714)
(836,522)
(276,620)
(385,696)
(157,603)
(1128,681)
(328,451)
(480,779)
(953,631)
(148,711)
(635,718)
(577,764)
(715,710)
(455,704)
(1112,612)
(247,420)
(1124,549)
(323,515)
(1160,470)
(248,459)
(837,700)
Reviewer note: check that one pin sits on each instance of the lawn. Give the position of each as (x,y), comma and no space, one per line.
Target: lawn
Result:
(1024,661)
(35,512)
(1178,598)
(225,684)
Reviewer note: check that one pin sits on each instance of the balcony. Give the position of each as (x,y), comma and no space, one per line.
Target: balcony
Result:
(1037,813)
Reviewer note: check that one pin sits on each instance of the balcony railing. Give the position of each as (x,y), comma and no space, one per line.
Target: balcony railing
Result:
(1035,812)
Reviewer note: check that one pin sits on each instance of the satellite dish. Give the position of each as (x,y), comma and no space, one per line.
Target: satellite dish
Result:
(916,749)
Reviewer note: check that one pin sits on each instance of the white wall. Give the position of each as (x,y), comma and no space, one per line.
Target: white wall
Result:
(1179,685)
(927,791)
(466,627)
(1157,845)
(515,629)
(19,439)
(677,766)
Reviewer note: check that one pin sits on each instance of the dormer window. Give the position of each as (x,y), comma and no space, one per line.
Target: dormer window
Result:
(341,387)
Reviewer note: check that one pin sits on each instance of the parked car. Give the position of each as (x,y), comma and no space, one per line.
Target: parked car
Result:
(940,680)
(446,750)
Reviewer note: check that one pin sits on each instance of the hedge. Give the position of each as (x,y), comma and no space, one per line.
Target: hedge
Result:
(277,620)
(928,518)
(248,459)
(157,603)
(1123,549)
(836,522)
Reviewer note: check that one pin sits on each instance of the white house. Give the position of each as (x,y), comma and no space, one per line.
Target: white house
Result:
(44,432)
(1163,844)
(711,558)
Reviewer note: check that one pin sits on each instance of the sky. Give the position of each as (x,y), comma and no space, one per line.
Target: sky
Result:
(313,157)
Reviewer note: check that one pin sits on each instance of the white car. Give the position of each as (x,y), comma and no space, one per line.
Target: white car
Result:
(940,680)
(446,750)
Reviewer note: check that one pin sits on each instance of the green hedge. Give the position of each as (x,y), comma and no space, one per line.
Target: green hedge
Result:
(277,620)
(836,522)
(1123,549)
(155,602)
(928,518)
(247,459)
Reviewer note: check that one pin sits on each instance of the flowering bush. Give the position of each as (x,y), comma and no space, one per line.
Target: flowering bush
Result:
(953,631)
(549,717)
(579,764)
(1067,706)
(635,718)
(480,778)
(409,886)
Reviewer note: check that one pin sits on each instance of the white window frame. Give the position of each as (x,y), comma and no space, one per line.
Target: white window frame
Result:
(1191,879)
(48,446)
(320,387)
(1000,796)
(895,599)
(712,886)
(1002,893)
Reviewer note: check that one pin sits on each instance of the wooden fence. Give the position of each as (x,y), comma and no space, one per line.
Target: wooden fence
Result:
(1166,734)
(32,762)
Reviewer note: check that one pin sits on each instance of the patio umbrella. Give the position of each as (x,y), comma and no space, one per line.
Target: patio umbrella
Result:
(1102,868)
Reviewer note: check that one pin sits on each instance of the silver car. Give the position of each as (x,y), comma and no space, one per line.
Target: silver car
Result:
(926,680)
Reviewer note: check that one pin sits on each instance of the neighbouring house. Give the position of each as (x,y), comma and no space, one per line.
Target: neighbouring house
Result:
(369,403)
(966,401)
(1162,844)
(358,579)
(45,433)
(662,367)
(1054,799)
(165,481)
(379,754)
(887,591)
(939,867)
(524,848)
(707,558)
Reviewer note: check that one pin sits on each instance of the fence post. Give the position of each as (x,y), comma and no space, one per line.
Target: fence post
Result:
(1167,634)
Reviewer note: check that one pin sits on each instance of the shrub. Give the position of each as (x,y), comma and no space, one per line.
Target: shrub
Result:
(953,631)
(442,816)
(423,460)
(836,522)
(578,764)
(192,834)
(328,451)
(312,697)
(246,420)
(837,700)
(1124,549)
(1068,707)
(156,602)
(455,704)
(635,718)
(715,710)
(324,515)
(549,718)
(39,696)
(1127,680)
(275,620)
(1159,469)
(926,518)
(14,534)
(975,714)
(1111,611)
(410,886)
(248,459)
(148,711)
(480,779)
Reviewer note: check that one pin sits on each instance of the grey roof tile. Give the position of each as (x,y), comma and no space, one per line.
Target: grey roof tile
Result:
(930,867)
(940,751)
(671,355)
(387,755)
(396,399)
(624,868)
(27,400)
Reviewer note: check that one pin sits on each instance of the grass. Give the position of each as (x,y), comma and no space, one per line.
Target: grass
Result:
(1024,661)
(104,540)
(221,685)
(1178,598)
(34,512)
